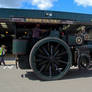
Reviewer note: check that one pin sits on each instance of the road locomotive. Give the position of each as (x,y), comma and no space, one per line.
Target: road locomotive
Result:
(65,42)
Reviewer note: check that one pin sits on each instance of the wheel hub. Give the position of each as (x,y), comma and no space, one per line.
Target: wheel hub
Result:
(51,58)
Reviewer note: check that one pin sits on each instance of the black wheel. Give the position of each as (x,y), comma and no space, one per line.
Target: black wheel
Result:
(23,62)
(50,58)
(83,61)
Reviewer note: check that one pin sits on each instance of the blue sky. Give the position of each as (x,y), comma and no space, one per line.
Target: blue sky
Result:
(80,6)
(71,6)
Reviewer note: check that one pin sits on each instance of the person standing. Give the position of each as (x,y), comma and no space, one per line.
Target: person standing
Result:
(2,54)
(37,33)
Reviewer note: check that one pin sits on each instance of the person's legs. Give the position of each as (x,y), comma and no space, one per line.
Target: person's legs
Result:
(3,61)
(16,62)
(0,60)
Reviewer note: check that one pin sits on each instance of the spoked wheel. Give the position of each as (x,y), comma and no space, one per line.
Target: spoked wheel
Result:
(50,58)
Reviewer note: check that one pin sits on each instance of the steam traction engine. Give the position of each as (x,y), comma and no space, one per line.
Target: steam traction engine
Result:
(67,42)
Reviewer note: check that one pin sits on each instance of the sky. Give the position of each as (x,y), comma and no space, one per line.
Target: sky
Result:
(79,6)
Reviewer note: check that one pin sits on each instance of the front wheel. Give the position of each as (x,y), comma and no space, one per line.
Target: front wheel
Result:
(50,58)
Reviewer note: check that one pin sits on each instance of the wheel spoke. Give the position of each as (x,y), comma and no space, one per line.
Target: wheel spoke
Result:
(48,46)
(51,50)
(57,47)
(63,53)
(41,56)
(41,69)
(41,51)
(53,67)
(57,63)
(38,60)
(42,63)
(64,62)
(56,53)
(58,58)
(50,72)
(47,67)
(47,53)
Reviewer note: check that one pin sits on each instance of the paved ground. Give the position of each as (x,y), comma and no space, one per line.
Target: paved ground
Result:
(13,80)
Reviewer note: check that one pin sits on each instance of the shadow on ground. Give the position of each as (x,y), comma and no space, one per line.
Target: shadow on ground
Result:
(72,74)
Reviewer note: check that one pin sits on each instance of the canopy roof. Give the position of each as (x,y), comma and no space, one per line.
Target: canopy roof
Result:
(43,14)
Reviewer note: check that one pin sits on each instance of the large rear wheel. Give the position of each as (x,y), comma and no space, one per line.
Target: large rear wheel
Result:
(50,58)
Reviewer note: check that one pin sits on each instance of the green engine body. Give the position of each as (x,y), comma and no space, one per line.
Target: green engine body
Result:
(20,46)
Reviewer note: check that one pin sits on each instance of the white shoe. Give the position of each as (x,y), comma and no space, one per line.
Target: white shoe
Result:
(10,67)
(4,67)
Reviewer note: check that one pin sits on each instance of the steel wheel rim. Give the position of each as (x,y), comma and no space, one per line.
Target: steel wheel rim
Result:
(51,75)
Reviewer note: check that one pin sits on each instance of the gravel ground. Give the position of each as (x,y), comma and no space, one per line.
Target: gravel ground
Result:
(16,80)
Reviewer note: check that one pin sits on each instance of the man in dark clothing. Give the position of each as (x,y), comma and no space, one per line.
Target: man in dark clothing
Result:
(36,33)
